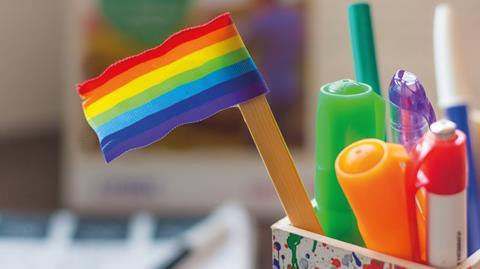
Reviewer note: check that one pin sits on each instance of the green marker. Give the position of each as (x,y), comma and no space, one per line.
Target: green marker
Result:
(347,111)
(363,45)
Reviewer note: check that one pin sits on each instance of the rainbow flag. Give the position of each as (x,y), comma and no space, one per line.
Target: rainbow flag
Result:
(191,76)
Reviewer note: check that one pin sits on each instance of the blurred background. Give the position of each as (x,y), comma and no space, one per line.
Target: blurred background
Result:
(50,160)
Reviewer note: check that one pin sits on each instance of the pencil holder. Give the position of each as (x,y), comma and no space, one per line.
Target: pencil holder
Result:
(299,249)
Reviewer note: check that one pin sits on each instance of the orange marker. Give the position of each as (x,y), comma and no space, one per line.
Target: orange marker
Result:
(372,175)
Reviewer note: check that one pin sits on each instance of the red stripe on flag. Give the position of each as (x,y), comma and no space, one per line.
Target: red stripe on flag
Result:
(172,42)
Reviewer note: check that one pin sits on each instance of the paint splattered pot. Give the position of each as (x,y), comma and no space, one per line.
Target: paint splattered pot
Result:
(299,249)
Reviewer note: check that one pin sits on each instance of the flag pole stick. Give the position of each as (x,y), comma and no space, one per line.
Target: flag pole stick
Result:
(279,163)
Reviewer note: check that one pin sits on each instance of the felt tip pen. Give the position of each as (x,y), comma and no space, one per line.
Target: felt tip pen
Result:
(452,98)
(363,45)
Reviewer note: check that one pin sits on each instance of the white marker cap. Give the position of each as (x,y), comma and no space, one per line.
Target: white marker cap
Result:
(449,68)
(443,129)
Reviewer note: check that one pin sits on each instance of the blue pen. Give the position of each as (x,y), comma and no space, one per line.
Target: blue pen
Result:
(452,98)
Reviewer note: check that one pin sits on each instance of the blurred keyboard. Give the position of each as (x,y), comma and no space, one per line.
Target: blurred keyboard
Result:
(63,240)
(143,241)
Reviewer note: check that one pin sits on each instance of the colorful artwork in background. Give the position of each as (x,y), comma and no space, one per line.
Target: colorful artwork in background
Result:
(193,75)
(140,20)
(117,29)
(276,39)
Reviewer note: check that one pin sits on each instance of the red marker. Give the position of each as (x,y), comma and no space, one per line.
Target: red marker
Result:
(440,166)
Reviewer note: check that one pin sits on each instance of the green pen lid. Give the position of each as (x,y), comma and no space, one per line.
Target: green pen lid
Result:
(347,111)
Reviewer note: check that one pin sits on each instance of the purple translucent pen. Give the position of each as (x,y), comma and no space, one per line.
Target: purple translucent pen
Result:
(411,113)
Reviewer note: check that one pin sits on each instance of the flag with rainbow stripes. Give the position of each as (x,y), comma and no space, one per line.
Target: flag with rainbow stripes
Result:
(191,76)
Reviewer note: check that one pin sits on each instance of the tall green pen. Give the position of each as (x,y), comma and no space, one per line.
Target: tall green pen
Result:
(363,45)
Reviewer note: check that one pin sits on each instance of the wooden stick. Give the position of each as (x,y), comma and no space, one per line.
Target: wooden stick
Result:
(279,163)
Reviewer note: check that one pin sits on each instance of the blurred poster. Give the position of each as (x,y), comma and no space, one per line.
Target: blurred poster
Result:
(272,30)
